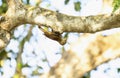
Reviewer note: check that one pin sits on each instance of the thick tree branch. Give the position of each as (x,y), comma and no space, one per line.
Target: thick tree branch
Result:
(19,13)
(86,54)
(65,23)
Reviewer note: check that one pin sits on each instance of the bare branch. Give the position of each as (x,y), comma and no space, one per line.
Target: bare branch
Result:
(60,22)
(19,13)
(86,54)
(65,23)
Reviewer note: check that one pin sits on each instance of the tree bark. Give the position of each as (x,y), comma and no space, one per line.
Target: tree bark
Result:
(86,54)
(18,14)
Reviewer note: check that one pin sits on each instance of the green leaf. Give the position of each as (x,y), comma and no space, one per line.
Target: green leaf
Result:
(116,5)
(3,7)
(28,1)
(77,6)
(44,60)
(118,70)
(66,1)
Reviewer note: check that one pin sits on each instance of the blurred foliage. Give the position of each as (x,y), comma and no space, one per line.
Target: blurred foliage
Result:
(3,7)
(21,48)
(26,2)
(66,1)
(116,5)
(3,54)
(118,70)
(77,6)
(87,75)
(38,2)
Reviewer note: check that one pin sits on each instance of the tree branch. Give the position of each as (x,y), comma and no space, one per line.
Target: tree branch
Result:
(19,13)
(60,22)
(65,23)
(86,54)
